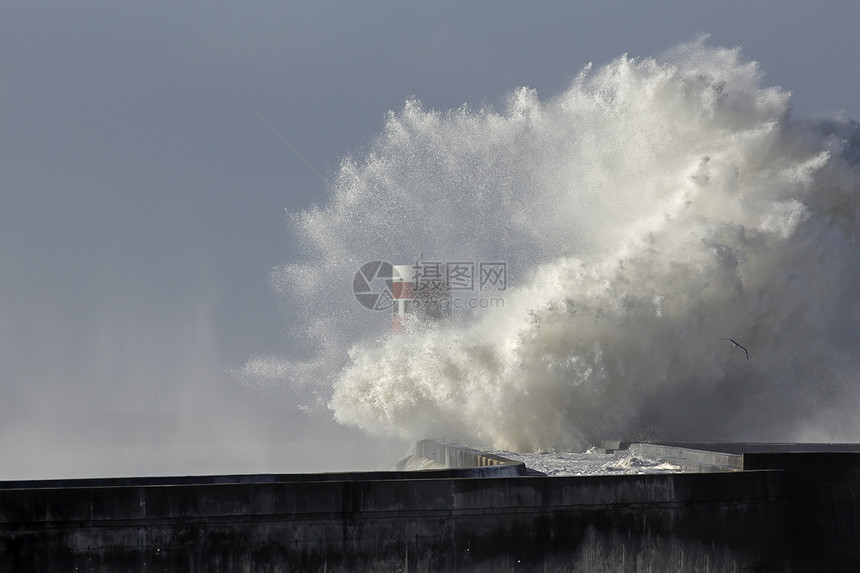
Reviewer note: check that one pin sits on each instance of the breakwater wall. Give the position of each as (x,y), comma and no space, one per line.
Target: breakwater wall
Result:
(477,518)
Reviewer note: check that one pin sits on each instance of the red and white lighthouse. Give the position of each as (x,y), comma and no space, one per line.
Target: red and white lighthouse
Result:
(417,300)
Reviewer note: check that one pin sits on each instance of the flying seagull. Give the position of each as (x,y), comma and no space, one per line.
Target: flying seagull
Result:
(735,342)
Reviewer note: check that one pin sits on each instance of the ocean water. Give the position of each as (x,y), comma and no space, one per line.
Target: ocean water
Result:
(590,463)
(647,214)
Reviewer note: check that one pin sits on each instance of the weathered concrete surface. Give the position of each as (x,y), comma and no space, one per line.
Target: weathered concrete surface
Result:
(787,510)
(610,446)
(825,491)
(825,506)
(483,515)
(454,456)
(689,459)
(477,471)
(716,522)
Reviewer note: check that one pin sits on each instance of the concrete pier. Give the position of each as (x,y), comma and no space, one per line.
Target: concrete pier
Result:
(786,511)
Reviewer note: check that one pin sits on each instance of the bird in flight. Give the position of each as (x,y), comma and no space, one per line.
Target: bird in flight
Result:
(735,343)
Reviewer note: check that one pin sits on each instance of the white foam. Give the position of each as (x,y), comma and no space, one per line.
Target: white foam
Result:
(646,213)
(589,463)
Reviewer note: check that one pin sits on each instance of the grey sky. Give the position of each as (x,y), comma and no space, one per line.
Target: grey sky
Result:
(142,201)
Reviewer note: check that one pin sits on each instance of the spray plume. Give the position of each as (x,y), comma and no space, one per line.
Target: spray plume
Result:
(653,208)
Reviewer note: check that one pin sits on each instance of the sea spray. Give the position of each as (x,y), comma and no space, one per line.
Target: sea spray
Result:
(651,211)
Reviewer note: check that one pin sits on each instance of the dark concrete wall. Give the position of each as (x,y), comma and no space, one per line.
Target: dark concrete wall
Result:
(825,506)
(477,471)
(717,522)
(785,511)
